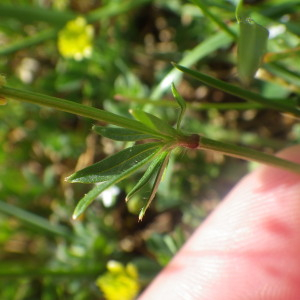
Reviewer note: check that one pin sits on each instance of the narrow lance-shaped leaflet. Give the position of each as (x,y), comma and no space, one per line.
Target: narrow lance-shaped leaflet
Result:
(112,170)
(150,172)
(154,122)
(116,164)
(121,134)
(163,165)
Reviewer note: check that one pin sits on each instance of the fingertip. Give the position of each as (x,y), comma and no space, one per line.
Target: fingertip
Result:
(247,249)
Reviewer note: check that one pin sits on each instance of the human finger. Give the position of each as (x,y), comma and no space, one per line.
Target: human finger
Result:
(247,249)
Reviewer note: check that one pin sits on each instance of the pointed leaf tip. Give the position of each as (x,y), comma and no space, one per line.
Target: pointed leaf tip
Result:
(162,165)
(67,179)
(142,213)
(90,197)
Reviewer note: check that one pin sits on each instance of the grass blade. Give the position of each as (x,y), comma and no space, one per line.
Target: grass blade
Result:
(30,13)
(28,270)
(34,220)
(204,8)
(29,41)
(116,165)
(282,72)
(240,92)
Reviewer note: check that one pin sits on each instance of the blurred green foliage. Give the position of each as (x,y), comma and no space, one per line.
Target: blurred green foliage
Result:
(44,254)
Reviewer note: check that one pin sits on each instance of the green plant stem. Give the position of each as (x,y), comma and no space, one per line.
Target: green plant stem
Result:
(248,154)
(191,105)
(104,116)
(78,109)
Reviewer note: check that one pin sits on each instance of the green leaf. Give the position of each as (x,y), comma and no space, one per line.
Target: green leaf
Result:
(99,188)
(157,181)
(252,43)
(154,122)
(240,92)
(204,48)
(121,134)
(127,160)
(91,196)
(180,102)
(151,170)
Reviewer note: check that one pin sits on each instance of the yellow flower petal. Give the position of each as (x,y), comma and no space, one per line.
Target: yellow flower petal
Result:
(75,39)
(119,282)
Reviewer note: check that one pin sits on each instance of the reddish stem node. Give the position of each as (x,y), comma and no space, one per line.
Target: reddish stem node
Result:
(190,141)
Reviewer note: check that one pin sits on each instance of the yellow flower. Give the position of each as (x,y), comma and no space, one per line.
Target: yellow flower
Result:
(75,39)
(119,282)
